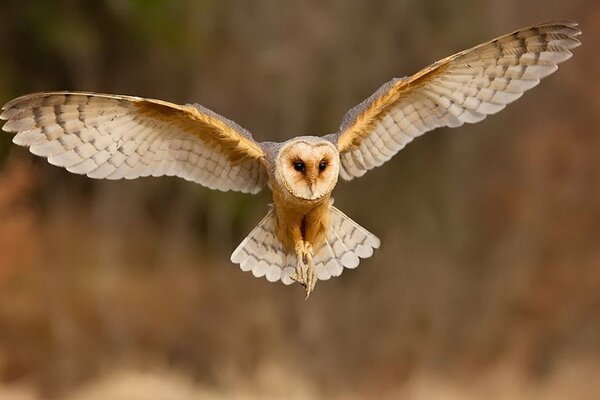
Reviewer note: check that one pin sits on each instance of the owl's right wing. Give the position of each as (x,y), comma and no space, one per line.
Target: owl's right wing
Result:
(113,137)
(465,87)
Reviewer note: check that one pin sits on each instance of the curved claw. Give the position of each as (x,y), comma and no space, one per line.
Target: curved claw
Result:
(305,269)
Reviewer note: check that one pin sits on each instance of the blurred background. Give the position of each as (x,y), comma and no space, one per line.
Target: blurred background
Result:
(488,279)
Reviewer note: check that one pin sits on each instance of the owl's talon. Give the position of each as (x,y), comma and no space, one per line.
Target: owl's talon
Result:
(305,269)
(299,276)
(311,281)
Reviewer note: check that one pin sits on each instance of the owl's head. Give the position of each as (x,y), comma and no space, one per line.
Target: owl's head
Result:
(308,167)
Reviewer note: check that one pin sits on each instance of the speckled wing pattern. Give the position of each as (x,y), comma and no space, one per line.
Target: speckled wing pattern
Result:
(262,253)
(346,242)
(114,137)
(465,87)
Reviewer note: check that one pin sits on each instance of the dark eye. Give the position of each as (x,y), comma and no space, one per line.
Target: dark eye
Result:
(299,166)
(322,166)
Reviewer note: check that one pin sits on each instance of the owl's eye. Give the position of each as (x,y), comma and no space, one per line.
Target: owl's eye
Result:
(299,166)
(322,166)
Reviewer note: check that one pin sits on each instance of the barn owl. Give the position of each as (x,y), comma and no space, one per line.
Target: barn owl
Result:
(303,238)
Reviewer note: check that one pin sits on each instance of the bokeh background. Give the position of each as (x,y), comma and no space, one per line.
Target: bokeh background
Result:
(488,279)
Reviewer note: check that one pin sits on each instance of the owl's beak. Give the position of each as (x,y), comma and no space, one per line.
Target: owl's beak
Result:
(312,177)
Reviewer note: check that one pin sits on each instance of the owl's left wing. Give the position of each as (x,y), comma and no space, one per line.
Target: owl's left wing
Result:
(113,137)
(465,87)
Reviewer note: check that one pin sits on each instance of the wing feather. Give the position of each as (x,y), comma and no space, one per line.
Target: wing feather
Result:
(463,88)
(114,137)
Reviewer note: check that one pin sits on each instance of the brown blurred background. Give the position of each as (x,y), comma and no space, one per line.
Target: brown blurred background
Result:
(488,279)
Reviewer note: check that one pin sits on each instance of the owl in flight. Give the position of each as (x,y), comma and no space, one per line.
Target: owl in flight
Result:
(303,237)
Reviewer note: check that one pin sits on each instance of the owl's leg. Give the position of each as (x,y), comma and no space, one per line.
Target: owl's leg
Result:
(305,269)
(311,278)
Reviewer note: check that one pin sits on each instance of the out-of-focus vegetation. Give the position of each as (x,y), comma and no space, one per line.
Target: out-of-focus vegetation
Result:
(488,280)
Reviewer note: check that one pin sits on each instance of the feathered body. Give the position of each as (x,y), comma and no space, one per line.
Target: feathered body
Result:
(302,199)
(301,222)
(303,238)
(303,235)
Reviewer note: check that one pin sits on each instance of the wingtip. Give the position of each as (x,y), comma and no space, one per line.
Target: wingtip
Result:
(559,21)
(12,103)
(7,106)
(566,26)
(8,113)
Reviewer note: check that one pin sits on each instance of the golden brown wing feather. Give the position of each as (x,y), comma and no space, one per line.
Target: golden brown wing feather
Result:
(465,87)
(220,133)
(113,136)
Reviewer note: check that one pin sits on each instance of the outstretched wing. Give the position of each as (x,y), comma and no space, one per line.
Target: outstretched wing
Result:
(465,87)
(113,137)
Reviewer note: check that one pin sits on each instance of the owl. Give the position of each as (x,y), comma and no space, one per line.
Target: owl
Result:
(303,238)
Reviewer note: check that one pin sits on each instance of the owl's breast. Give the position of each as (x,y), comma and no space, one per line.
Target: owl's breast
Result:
(298,222)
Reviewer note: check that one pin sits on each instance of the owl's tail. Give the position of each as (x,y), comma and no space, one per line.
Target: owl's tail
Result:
(262,253)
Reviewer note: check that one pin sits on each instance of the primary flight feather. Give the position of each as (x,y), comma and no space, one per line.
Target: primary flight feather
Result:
(303,238)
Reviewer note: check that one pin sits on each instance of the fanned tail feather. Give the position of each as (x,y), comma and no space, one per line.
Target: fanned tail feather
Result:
(346,243)
(262,253)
